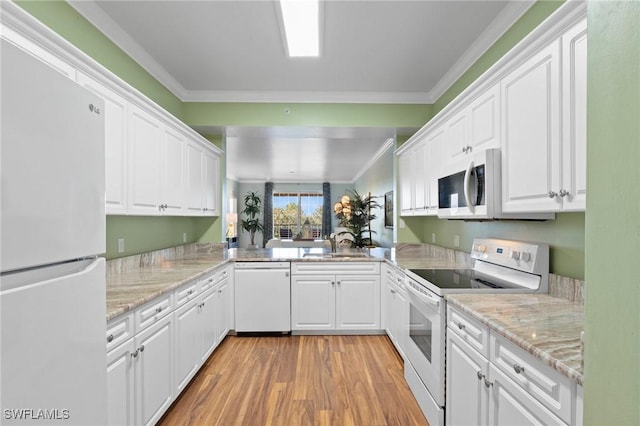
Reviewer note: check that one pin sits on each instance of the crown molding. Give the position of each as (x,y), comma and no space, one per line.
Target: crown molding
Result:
(308,97)
(389,143)
(505,19)
(103,23)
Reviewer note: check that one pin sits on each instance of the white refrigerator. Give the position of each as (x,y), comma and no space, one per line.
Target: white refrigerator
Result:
(52,231)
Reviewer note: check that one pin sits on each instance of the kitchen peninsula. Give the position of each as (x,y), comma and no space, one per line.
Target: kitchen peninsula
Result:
(160,291)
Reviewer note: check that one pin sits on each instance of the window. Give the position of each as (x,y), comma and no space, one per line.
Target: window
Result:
(291,210)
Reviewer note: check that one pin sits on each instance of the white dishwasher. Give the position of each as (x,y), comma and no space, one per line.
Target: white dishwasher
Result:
(263,297)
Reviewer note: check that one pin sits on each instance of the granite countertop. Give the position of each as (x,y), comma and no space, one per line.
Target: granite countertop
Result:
(547,327)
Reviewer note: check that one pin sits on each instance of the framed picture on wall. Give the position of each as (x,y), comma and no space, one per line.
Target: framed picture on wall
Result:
(388,209)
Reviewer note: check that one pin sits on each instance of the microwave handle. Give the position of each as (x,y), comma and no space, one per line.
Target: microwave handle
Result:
(467,179)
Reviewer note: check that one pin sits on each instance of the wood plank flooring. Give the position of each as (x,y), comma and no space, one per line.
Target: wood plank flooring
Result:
(299,380)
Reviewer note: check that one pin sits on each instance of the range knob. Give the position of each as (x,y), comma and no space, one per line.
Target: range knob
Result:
(515,254)
(481,248)
(526,256)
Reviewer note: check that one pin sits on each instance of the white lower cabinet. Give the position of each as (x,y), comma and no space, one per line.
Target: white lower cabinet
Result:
(335,296)
(154,351)
(153,371)
(120,389)
(495,382)
(395,312)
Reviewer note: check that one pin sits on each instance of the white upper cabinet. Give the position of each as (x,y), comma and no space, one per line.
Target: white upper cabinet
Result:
(574,117)
(544,145)
(116,110)
(202,181)
(145,153)
(172,187)
(476,127)
(405,172)
(211,184)
(531,133)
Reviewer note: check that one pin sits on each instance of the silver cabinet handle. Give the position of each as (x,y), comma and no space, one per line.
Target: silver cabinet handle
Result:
(480,375)
(461,326)
(158,310)
(393,291)
(487,383)
(135,354)
(552,194)
(518,368)
(338,282)
(110,338)
(141,348)
(333,283)
(190,292)
(563,193)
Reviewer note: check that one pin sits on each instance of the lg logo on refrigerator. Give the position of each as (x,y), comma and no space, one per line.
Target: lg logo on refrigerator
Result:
(94,109)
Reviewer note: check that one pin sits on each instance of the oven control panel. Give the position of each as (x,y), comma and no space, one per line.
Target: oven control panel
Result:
(523,256)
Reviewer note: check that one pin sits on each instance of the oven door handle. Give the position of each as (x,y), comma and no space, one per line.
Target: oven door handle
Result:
(424,297)
(467,190)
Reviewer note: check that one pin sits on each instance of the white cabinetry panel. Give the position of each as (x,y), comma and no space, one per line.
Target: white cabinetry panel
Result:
(173,176)
(531,133)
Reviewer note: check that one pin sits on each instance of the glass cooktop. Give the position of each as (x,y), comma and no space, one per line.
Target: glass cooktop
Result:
(455,279)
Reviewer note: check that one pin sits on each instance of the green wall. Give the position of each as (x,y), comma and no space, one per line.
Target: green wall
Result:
(306,114)
(612,336)
(378,180)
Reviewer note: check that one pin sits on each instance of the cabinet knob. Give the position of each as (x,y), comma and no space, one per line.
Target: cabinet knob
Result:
(141,348)
(110,338)
(518,368)
(135,354)
(158,310)
(487,383)
(552,194)
(563,193)
(461,326)
(480,375)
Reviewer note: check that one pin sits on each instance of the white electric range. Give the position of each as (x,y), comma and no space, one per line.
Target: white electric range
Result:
(498,266)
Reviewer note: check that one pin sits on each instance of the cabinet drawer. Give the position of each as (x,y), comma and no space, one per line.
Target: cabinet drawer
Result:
(208,282)
(119,330)
(186,293)
(335,268)
(153,311)
(469,329)
(551,388)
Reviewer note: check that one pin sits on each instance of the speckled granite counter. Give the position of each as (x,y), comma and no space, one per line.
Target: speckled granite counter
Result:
(547,327)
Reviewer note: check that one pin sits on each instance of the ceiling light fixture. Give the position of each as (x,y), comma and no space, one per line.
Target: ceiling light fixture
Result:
(301,21)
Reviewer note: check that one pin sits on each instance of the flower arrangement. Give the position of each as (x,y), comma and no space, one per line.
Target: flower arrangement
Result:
(355,213)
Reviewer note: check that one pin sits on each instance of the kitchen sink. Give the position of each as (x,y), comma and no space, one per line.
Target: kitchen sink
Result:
(335,255)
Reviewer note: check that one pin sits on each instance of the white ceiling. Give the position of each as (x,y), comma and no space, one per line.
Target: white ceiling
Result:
(385,51)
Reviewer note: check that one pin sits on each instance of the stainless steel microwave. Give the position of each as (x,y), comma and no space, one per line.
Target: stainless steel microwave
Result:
(471,189)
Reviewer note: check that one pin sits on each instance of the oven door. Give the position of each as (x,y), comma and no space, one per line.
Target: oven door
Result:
(425,342)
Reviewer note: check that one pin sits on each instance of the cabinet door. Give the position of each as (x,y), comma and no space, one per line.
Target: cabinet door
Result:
(120,397)
(456,136)
(531,134)
(420,178)
(210,171)
(313,304)
(187,343)
(467,394)
(405,171)
(509,404)
(209,319)
(433,165)
(388,320)
(401,320)
(194,179)
(115,121)
(223,302)
(358,302)
(574,118)
(484,120)
(173,174)
(153,367)
(145,141)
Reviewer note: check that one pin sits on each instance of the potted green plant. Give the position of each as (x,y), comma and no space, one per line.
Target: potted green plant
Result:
(251,224)
(355,213)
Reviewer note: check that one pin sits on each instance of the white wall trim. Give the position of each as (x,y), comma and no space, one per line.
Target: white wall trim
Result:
(567,15)
(19,26)
(389,143)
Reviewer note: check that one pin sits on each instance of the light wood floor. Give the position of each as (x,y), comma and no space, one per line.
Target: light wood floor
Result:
(299,380)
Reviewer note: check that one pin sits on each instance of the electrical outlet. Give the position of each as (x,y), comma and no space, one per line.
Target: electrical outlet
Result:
(402,224)
(456,240)
(120,245)
(433,237)
(184,237)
